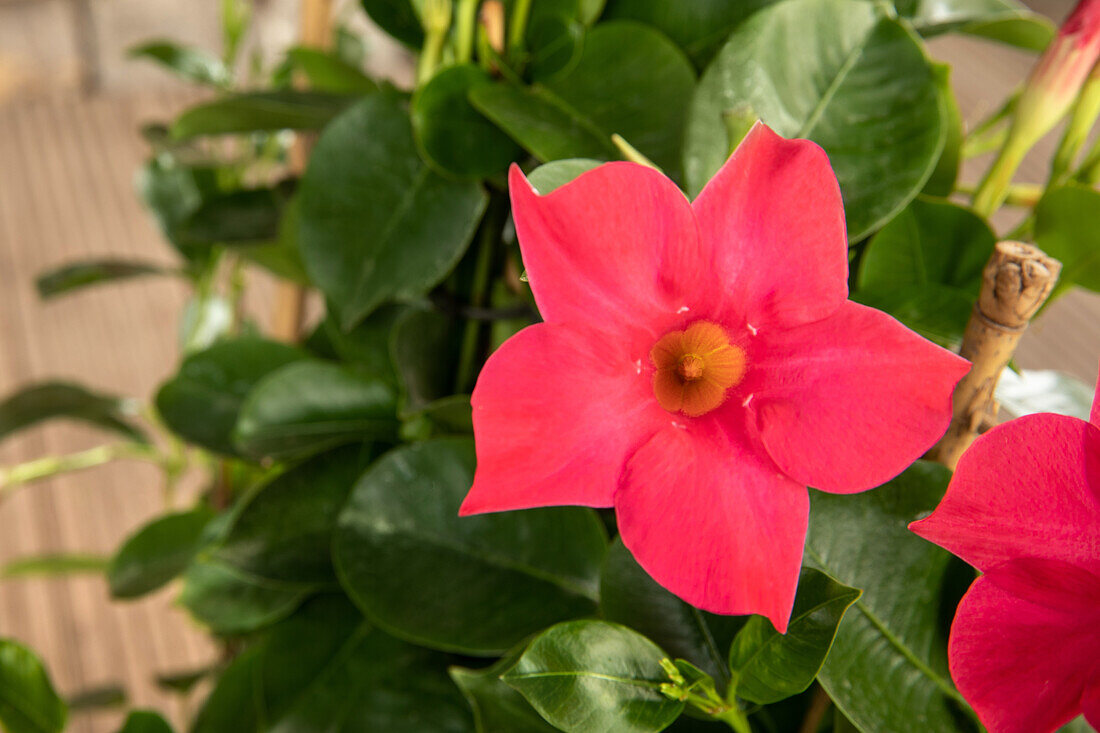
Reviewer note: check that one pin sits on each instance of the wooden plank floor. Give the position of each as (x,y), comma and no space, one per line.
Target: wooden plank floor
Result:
(66,168)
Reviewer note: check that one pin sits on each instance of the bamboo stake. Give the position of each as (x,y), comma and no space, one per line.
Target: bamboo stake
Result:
(1016,282)
(290,298)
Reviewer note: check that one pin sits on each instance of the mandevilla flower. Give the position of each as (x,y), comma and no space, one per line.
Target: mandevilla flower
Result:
(1024,508)
(698,367)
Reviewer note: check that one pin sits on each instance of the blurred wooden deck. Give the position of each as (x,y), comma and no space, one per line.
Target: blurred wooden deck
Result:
(66,171)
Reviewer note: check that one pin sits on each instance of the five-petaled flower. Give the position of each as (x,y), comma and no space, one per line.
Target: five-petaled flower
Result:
(698,367)
(1024,508)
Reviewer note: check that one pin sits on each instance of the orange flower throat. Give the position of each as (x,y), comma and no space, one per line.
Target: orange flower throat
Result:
(695,368)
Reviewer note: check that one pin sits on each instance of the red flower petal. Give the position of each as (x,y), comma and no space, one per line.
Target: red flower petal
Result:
(846,403)
(1090,705)
(1094,416)
(556,414)
(714,522)
(1028,487)
(774,217)
(1023,666)
(617,245)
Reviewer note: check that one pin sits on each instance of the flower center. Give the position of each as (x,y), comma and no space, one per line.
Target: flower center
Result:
(695,368)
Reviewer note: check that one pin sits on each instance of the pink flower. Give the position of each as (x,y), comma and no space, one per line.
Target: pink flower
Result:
(699,366)
(1024,508)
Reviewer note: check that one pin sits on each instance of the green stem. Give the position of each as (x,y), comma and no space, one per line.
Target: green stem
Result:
(1085,112)
(487,243)
(24,473)
(518,29)
(465,23)
(437,21)
(994,187)
(735,719)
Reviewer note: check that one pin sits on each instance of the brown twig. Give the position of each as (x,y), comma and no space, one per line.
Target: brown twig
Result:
(1016,282)
(290,298)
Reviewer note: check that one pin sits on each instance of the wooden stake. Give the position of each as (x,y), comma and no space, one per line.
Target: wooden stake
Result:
(1015,283)
(290,298)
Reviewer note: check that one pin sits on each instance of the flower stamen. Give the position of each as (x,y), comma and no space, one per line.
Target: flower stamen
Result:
(695,368)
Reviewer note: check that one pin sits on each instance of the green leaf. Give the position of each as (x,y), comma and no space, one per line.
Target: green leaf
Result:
(157,553)
(202,401)
(700,27)
(367,347)
(1001,20)
(842,75)
(145,721)
(283,531)
(284,109)
(925,267)
(425,346)
(771,666)
(78,275)
(327,72)
(232,704)
(235,218)
(895,636)
(326,669)
(282,256)
(173,191)
(96,698)
(593,675)
(188,62)
(550,176)
(28,702)
(398,18)
(231,602)
(309,406)
(59,564)
(376,223)
(574,114)
(496,706)
(453,136)
(471,584)
(1067,227)
(942,181)
(630,597)
(50,400)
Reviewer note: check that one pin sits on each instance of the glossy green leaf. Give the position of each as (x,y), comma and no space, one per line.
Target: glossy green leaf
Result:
(549,176)
(925,267)
(592,675)
(188,62)
(836,72)
(630,597)
(472,584)
(54,565)
(268,111)
(1067,227)
(79,275)
(327,72)
(574,114)
(425,346)
(398,18)
(28,702)
(894,638)
(206,319)
(376,223)
(325,669)
(173,191)
(700,27)
(157,553)
(99,697)
(496,706)
(36,403)
(771,666)
(309,406)
(451,415)
(202,401)
(1032,32)
(454,136)
(554,45)
(145,721)
(281,257)
(283,532)
(231,602)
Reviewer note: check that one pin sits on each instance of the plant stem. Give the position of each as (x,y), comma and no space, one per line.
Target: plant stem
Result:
(735,719)
(994,187)
(465,22)
(24,473)
(437,21)
(487,243)
(518,29)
